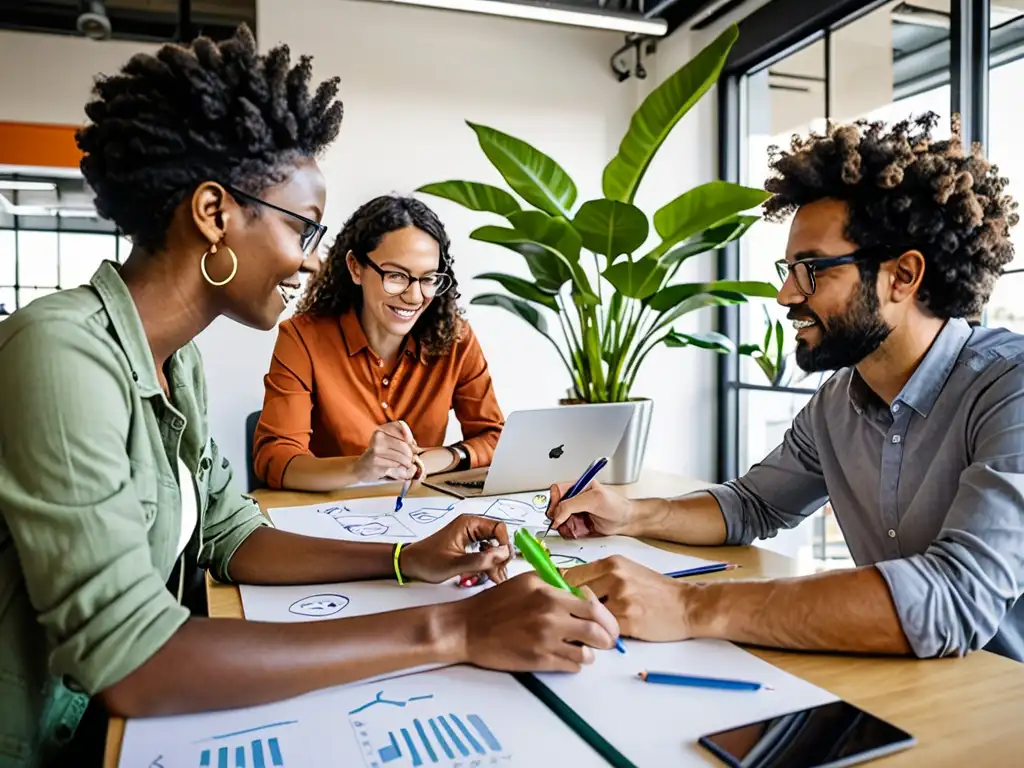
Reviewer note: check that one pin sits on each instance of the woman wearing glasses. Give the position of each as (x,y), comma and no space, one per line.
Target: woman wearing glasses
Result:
(111,487)
(364,376)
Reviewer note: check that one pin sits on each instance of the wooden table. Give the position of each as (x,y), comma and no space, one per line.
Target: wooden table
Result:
(961,711)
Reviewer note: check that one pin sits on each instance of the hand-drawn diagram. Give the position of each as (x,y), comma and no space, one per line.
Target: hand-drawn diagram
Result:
(319,605)
(379,699)
(515,511)
(426,515)
(405,741)
(255,752)
(366,526)
(567,561)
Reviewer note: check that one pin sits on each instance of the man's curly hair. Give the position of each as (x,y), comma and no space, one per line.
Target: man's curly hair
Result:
(221,112)
(332,292)
(907,191)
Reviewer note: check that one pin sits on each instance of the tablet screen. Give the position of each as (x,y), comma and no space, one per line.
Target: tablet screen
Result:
(832,735)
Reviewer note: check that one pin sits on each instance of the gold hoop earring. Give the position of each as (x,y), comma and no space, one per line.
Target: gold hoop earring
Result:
(206,275)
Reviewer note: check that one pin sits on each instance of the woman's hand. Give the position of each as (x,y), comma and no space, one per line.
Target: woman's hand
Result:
(525,625)
(443,555)
(391,455)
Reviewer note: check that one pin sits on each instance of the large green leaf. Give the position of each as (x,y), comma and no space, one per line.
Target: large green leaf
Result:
(474,195)
(517,307)
(636,279)
(611,228)
(537,178)
(702,207)
(731,289)
(707,340)
(524,289)
(657,116)
(693,303)
(552,231)
(550,272)
(731,229)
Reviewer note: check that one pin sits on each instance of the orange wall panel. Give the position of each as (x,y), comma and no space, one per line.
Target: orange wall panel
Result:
(39,144)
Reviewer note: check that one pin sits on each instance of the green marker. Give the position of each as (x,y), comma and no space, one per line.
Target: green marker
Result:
(537,556)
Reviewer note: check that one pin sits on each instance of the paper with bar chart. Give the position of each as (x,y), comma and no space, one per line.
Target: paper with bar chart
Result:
(457,717)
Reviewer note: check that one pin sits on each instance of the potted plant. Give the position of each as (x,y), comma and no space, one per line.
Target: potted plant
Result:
(613,310)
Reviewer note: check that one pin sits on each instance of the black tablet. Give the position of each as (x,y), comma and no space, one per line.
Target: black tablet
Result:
(829,736)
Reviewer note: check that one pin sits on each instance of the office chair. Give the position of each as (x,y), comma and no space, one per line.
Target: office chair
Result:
(250,432)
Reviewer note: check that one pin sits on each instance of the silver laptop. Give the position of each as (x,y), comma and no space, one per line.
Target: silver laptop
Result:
(538,448)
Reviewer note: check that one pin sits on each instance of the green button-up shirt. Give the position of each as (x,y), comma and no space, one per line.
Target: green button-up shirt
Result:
(90,506)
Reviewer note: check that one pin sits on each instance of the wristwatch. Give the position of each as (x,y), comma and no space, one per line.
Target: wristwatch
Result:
(463,454)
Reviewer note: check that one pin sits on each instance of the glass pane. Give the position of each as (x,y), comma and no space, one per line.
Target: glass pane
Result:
(80,255)
(37,259)
(1005,309)
(786,98)
(8,275)
(27,295)
(893,64)
(7,305)
(1004,143)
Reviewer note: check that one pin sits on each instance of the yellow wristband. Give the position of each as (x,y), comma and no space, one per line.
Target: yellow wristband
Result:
(398,571)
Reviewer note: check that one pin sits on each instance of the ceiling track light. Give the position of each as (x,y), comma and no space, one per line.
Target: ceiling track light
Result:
(93,21)
(551,13)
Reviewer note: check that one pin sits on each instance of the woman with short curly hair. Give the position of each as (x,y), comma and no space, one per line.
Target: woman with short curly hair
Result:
(111,488)
(363,378)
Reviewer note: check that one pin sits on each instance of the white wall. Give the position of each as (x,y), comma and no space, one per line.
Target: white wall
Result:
(410,78)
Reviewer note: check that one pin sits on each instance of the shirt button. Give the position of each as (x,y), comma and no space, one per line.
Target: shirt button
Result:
(380,363)
(178,424)
(892,534)
(383,405)
(895,438)
(896,408)
(385,382)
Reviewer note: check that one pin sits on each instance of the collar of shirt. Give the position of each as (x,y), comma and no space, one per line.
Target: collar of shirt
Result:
(356,341)
(925,384)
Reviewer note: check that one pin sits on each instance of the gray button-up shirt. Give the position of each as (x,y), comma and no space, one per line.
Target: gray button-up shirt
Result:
(930,489)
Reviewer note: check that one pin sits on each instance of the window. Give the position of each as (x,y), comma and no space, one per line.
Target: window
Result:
(50,238)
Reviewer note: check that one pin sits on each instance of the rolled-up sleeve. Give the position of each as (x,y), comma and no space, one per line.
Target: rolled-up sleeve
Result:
(952,598)
(475,404)
(285,424)
(67,498)
(780,491)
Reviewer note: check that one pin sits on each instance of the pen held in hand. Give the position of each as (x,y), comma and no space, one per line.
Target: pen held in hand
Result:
(577,488)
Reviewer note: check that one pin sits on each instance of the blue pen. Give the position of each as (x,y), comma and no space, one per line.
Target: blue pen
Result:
(579,485)
(669,678)
(702,569)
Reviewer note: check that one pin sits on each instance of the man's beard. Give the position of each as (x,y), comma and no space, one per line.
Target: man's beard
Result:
(849,338)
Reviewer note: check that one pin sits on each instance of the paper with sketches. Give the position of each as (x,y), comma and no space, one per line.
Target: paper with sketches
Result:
(664,722)
(357,598)
(456,717)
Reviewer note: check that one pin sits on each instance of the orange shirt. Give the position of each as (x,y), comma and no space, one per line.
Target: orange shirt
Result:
(327,391)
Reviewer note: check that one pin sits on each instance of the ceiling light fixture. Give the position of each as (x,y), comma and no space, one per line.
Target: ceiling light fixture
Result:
(93,21)
(551,13)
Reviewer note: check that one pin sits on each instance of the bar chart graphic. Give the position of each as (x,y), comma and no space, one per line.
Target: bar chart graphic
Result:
(250,748)
(426,737)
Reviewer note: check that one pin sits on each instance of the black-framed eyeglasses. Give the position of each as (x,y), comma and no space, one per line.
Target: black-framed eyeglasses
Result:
(311,234)
(803,270)
(396,283)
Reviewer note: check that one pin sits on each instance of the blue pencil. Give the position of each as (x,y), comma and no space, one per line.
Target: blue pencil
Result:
(669,678)
(702,569)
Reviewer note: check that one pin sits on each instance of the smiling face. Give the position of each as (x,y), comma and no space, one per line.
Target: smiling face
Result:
(842,322)
(403,253)
(268,244)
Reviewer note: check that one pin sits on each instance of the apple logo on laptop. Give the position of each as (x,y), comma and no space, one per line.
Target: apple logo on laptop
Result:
(556,453)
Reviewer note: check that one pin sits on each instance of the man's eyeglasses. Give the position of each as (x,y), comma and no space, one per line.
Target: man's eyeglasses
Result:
(803,270)
(312,233)
(397,283)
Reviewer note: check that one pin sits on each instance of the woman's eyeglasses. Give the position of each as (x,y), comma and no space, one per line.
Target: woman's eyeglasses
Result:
(803,270)
(312,233)
(397,283)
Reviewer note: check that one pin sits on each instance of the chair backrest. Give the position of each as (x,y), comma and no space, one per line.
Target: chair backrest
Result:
(250,433)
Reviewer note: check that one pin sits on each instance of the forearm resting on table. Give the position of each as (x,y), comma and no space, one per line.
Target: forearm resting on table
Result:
(695,519)
(270,556)
(845,611)
(310,473)
(235,663)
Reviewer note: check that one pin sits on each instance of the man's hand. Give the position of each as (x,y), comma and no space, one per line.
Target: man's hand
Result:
(594,512)
(648,606)
(443,555)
